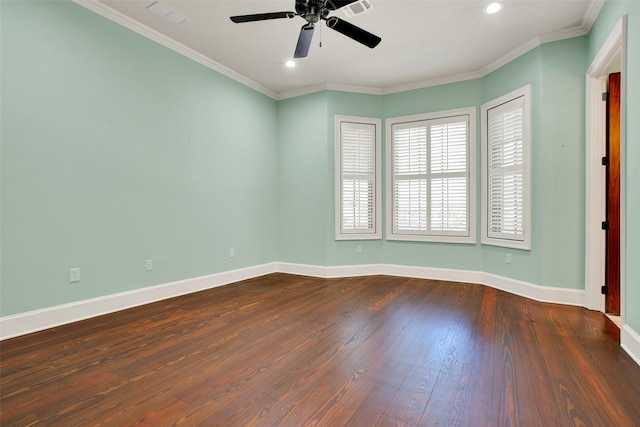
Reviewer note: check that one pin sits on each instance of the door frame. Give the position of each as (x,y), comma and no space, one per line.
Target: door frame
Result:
(613,49)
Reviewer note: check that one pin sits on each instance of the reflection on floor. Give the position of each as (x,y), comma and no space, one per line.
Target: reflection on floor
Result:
(614,319)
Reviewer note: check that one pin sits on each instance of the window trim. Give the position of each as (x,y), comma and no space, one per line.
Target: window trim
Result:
(434,236)
(341,234)
(525,243)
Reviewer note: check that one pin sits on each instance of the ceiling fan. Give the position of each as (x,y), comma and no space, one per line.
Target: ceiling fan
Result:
(313,11)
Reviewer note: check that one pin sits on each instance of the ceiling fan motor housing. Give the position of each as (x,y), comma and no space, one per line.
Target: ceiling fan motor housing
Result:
(312,10)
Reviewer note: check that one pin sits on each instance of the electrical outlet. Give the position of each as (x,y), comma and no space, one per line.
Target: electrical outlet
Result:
(232,253)
(508,258)
(148,265)
(359,249)
(74,275)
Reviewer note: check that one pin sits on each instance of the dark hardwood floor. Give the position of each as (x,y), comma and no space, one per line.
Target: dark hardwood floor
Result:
(295,351)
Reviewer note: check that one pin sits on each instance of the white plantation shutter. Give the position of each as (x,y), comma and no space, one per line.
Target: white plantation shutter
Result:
(430,174)
(410,176)
(449,177)
(357,170)
(358,176)
(506,147)
(505,140)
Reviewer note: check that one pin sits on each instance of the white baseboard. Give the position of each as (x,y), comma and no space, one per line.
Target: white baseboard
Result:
(535,292)
(32,321)
(630,342)
(518,287)
(37,320)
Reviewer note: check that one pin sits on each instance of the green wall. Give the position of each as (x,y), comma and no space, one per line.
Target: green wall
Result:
(341,252)
(556,73)
(303,184)
(116,150)
(524,70)
(607,19)
(562,165)
(432,99)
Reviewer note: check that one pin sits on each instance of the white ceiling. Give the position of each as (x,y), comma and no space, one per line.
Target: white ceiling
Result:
(424,42)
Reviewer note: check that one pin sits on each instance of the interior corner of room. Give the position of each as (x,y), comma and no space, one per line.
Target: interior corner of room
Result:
(132,171)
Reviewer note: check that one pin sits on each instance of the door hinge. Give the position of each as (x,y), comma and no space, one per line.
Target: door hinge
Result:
(605,161)
(605,225)
(605,96)
(604,289)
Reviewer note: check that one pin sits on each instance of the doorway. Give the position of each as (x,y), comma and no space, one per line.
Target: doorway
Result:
(613,52)
(611,225)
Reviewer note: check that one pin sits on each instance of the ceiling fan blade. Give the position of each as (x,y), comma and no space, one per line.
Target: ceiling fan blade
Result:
(262,16)
(351,31)
(337,4)
(304,41)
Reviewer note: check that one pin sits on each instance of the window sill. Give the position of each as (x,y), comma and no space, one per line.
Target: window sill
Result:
(504,243)
(355,236)
(432,239)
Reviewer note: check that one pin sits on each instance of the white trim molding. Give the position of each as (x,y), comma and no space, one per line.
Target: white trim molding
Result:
(488,236)
(426,234)
(630,342)
(360,126)
(37,320)
(102,9)
(612,50)
(127,22)
(591,14)
(528,290)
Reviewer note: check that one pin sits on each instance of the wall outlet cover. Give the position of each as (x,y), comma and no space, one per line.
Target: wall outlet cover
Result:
(74,275)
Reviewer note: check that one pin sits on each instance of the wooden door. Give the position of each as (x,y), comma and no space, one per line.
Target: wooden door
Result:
(612,263)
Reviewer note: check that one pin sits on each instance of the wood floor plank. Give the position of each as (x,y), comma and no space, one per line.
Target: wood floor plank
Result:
(285,350)
(473,401)
(582,387)
(441,404)
(435,335)
(528,379)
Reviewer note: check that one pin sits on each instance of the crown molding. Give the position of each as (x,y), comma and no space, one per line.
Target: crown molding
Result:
(588,20)
(591,14)
(353,88)
(563,34)
(432,82)
(328,86)
(300,92)
(510,56)
(119,18)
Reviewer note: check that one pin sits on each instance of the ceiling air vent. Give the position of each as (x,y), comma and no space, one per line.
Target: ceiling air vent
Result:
(166,12)
(357,8)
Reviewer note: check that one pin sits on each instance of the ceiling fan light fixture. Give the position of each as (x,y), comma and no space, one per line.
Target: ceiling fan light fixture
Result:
(493,8)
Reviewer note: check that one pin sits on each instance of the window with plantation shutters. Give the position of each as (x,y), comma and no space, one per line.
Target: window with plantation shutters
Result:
(505,161)
(429,167)
(357,178)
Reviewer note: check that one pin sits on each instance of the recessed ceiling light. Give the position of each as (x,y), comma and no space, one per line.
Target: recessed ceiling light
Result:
(290,64)
(493,8)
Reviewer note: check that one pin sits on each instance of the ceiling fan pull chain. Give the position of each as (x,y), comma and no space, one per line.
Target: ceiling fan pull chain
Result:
(320,36)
